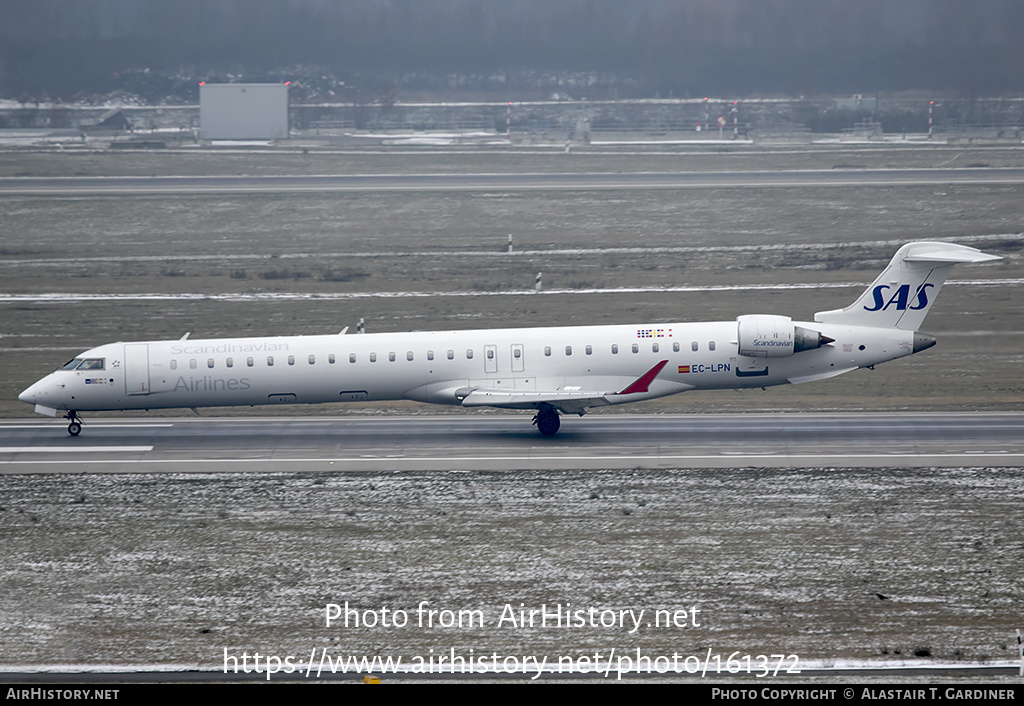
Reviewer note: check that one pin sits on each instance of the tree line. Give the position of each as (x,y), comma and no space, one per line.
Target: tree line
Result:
(691,47)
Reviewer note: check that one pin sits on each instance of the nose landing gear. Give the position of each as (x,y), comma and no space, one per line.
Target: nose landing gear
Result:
(75,427)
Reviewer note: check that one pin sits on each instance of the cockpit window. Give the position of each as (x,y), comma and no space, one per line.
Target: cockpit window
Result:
(84,364)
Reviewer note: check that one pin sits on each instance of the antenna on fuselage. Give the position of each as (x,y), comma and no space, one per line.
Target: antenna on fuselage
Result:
(187,334)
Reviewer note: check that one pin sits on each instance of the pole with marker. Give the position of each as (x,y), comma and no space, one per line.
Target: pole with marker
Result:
(1020,651)
(931,106)
(508,122)
(735,119)
(537,282)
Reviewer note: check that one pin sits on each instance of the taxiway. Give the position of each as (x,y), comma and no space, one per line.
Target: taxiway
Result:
(507,182)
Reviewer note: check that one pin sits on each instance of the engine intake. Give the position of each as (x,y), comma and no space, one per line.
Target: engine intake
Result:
(771,336)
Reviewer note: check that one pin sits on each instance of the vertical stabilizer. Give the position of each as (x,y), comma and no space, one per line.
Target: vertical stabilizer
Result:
(904,292)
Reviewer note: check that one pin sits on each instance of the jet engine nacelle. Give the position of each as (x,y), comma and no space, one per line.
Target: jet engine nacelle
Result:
(771,336)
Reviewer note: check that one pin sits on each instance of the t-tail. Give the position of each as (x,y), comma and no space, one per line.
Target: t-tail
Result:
(902,295)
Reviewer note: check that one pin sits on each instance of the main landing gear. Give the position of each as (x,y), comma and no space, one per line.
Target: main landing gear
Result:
(75,427)
(547,421)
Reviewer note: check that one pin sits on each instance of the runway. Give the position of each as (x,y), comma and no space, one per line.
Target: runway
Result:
(506,182)
(507,442)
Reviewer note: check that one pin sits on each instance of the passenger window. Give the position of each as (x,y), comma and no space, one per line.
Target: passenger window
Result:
(711,345)
(517,353)
(655,348)
(174,365)
(547,350)
(451,355)
(675,347)
(490,354)
(249,361)
(636,348)
(373,357)
(192,363)
(568,350)
(312,359)
(270,360)
(430,355)
(469,353)
(351,357)
(590,349)
(209,362)
(615,349)
(231,362)
(694,347)
(408,355)
(391,356)
(331,359)
(291,360)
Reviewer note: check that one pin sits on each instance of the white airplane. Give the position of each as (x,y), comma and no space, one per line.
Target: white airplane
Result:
(552,370)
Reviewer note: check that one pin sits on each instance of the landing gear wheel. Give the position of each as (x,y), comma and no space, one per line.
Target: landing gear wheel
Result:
(75,427)
(547,422)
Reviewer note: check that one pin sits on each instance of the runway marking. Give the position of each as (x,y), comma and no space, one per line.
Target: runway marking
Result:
(840,459)
(92,425)
(70,449)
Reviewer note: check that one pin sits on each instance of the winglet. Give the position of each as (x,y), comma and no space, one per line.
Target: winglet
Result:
(642,383)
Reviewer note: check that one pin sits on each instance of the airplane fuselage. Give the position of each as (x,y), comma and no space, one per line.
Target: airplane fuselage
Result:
(434,366)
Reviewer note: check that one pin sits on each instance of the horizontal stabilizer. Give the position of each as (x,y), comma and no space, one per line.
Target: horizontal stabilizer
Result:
(946,252)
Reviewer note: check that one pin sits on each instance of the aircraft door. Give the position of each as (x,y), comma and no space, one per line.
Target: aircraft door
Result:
(490,359)
(136,368)
(517,358)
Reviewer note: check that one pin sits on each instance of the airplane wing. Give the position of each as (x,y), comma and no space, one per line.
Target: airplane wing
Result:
(568,400)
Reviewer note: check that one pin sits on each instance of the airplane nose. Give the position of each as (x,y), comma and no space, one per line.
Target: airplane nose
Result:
(32,394)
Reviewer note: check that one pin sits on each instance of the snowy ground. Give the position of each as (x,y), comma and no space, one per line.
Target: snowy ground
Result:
(831,565)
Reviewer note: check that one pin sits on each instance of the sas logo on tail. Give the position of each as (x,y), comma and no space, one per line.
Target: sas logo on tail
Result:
(900,298)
